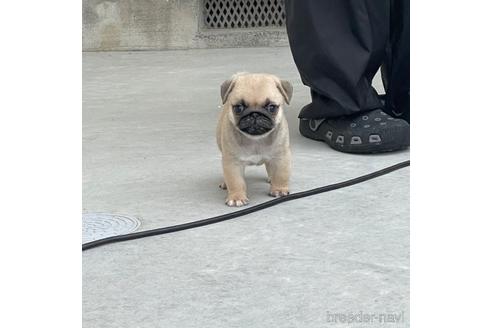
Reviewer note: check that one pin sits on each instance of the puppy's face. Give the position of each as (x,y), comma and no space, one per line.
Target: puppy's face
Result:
(254,102)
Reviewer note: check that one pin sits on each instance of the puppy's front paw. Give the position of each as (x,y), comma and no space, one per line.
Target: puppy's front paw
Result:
(278,191)
(236,200)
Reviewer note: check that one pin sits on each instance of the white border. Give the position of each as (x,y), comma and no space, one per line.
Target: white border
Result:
(451,166)
(40,136)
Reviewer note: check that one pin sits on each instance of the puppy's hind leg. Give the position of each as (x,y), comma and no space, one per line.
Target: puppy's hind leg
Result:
(269,173)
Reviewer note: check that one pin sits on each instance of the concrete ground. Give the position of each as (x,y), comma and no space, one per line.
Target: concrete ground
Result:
(149,151)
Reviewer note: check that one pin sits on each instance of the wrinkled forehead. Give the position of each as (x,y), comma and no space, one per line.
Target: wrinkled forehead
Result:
(255,90)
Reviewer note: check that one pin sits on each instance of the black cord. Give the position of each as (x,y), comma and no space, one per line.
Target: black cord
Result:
(247,210)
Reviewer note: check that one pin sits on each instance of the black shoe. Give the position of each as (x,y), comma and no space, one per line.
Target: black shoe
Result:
(364,133)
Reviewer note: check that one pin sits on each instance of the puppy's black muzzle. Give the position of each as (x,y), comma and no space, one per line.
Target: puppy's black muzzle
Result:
(255,123)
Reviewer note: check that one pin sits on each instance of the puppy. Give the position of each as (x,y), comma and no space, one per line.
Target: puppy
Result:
(252,130)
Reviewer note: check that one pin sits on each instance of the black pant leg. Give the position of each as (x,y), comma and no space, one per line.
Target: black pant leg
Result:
(338,46)
(396,67)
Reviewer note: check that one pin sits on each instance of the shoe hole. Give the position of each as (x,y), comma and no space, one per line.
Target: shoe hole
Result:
(340,139)
(355,140)
(365,118)
(329,134)
(367,126)
(374,138)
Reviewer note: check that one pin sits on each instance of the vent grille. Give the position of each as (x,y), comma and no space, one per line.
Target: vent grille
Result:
(233,14)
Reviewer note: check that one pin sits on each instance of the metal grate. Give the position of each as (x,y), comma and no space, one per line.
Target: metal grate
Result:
(244,13)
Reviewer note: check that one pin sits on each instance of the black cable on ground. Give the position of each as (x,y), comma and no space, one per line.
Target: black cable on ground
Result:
(247,210)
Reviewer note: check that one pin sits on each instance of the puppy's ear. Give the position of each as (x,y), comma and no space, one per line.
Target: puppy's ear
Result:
(285,89)
(225,89)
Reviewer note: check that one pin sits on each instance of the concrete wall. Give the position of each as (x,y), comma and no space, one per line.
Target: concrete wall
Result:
(162,24)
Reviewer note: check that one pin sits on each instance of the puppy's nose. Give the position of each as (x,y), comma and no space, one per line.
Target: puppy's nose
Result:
(255,115)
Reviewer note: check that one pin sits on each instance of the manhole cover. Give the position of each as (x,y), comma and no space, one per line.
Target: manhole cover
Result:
(101,225)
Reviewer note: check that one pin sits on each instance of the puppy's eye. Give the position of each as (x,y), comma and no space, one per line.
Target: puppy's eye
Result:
(272,108)
(238,109)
